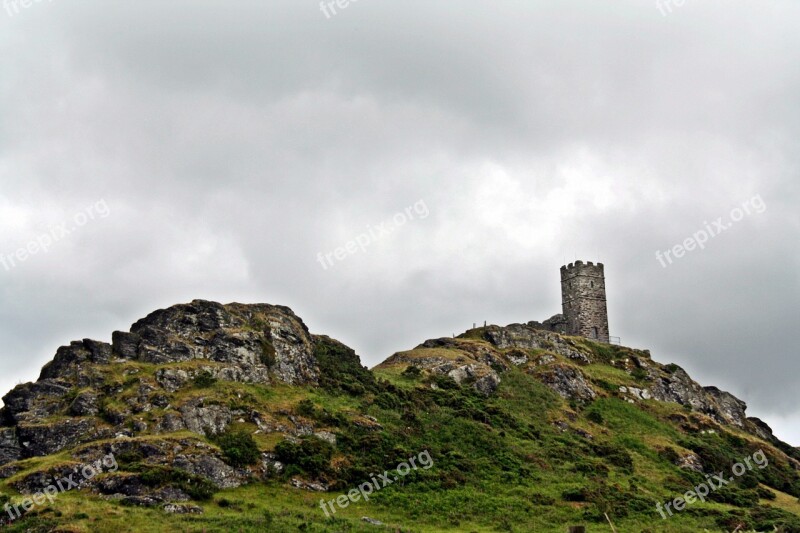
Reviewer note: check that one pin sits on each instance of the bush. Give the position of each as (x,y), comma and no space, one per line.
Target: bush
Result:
(603,352)
(268,355)
(765,494)
(773,519)
(341,369)
(591,469)
(669,454)
(311,455)
(607,386)
(444,382)
(575,495)
(596,417)
(238,447)
(204,380)
(412,372)
(733,495)
(196,487)
(306,408)
(541,499)
(615,455)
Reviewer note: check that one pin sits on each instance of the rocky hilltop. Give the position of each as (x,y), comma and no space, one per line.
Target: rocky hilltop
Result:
(557,363)
(239,343)
(203,397)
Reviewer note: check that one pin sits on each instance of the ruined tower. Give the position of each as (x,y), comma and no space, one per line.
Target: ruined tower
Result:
(583,300)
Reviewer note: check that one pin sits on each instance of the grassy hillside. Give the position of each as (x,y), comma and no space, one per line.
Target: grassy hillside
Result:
(522,458)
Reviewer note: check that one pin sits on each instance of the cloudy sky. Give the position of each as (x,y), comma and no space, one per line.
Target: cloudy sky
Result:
(166,151)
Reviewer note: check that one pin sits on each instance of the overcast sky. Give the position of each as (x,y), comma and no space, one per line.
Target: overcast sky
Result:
(179,150)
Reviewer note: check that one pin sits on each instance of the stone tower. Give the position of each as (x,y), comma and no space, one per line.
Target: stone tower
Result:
(583,300)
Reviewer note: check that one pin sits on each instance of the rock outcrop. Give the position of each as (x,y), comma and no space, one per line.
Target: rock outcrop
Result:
(80,396)
(480,356)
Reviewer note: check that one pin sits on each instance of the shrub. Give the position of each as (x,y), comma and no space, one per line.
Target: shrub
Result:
(615,455)
(444,382)
(163,476)
(311,455)
(605,385)
(575,495)
(306,408)
(70,396)
(204,380)
(238,447)
(225,503)
(733,495)
(541,499)
(268,355)
(130,457)
(765,494)
(131,381)
(773,519)
(591,469)
(669,454)
(595,416)
(412,372)
(603,352)
(341,369)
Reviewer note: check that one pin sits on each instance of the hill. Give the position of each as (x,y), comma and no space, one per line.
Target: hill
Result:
(210,417)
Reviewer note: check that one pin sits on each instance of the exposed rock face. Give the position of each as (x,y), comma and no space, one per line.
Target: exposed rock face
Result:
(529,337)
(174,508)
(44,439)
(205,420)
(640,394)
(722,406)
(30,402)
(210,467)
(568,382)
(10,449)
(727,406)
(471,363)
(85,404)
(690,462)
(758,427)
(68,360)
(484,381)
(243,343)
(249,337)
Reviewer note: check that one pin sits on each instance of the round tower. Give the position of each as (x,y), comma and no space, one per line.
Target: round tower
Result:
(583,300)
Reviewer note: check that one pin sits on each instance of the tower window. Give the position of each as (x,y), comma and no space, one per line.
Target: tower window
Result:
(591,284)
(594,333)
